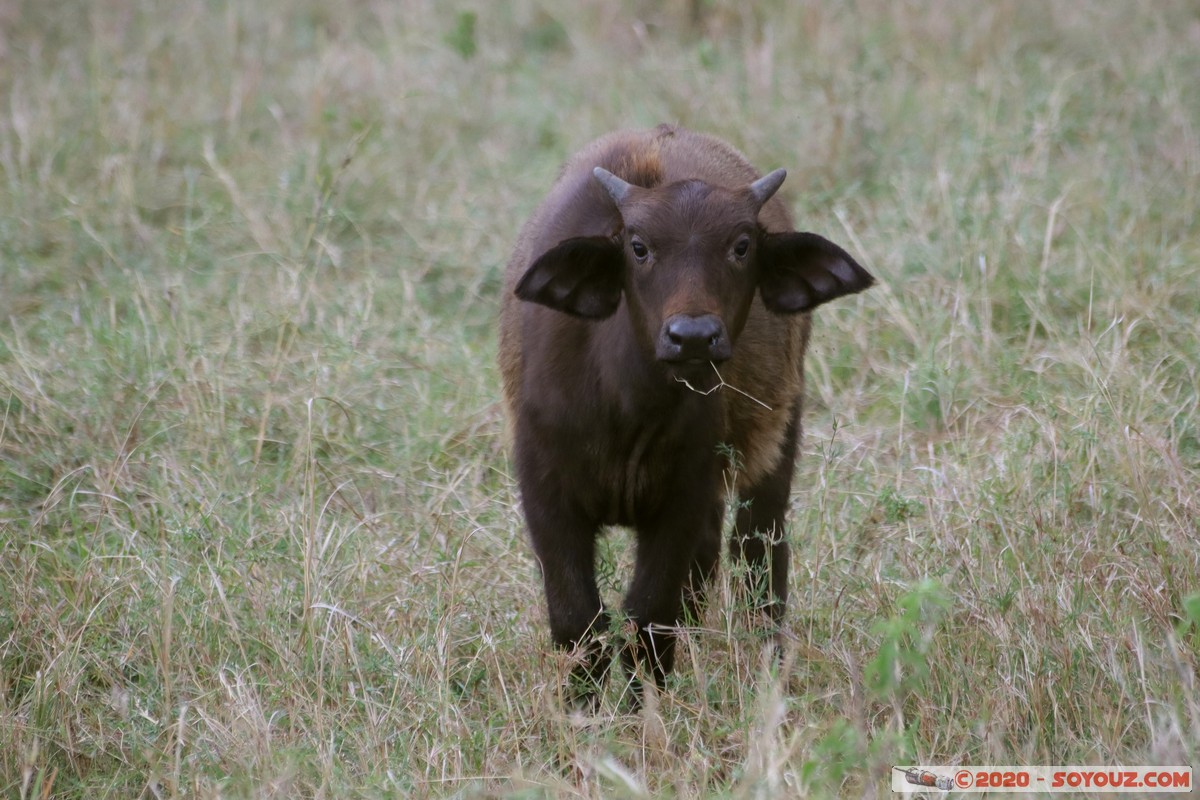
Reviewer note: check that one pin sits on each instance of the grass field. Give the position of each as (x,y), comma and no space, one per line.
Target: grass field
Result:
(258,530)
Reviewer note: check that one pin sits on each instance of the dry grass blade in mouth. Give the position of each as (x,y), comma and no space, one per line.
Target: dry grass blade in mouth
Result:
(721,385)
(211,587)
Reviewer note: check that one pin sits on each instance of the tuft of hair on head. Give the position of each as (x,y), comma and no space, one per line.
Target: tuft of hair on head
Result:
(641,166)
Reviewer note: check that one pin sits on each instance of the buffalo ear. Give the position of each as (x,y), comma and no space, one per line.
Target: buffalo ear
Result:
(579,276)
(800,271)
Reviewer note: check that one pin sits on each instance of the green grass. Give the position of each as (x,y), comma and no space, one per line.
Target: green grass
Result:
(258,530)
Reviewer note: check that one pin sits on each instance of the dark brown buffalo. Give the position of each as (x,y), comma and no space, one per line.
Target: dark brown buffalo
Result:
(652,345)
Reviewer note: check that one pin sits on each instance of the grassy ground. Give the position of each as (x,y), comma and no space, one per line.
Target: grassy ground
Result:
(258,533)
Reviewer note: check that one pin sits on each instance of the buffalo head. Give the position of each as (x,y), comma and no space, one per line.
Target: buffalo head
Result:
(687,258)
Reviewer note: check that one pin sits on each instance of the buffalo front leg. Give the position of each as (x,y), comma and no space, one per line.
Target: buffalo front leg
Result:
(759,538)
(564,542)
(577,617)
(675,560)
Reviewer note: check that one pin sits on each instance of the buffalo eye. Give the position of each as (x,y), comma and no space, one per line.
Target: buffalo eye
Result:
(640,251)
(742,247)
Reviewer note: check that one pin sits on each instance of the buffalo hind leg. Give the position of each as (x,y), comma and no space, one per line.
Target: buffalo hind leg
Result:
(759,539)
(704,566)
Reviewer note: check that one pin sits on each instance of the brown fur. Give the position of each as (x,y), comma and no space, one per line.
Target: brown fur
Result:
(650,158)
(606,433)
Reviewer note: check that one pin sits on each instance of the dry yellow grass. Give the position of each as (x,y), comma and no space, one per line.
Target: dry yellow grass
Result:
(257,532)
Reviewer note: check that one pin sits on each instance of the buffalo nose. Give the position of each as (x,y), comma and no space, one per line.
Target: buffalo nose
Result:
(687,338)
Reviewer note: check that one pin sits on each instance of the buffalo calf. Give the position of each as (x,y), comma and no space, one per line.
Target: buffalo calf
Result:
(652,338)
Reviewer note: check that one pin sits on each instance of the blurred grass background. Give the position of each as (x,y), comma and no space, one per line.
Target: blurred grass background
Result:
(258,535)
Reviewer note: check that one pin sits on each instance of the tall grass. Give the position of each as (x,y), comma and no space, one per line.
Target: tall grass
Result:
(258,532)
